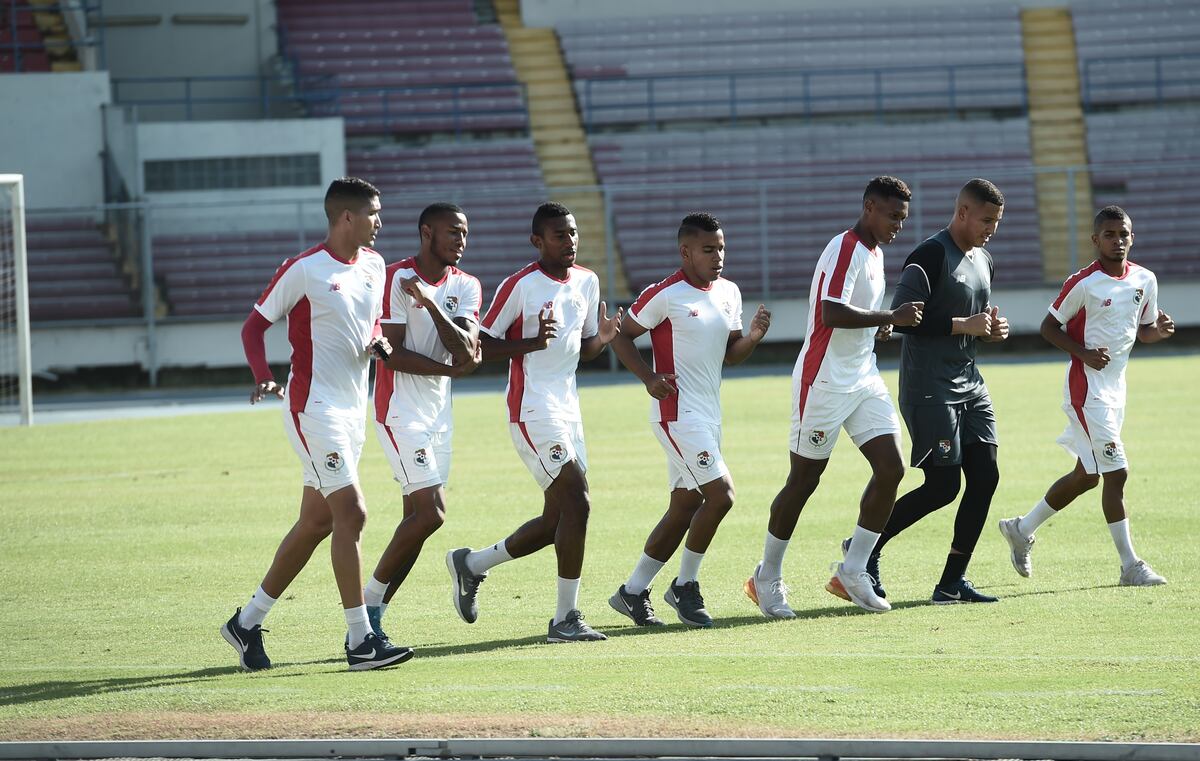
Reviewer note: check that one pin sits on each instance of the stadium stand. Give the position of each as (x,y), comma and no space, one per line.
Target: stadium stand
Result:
(73,274)
(22,46)
(408,66)
(819,172)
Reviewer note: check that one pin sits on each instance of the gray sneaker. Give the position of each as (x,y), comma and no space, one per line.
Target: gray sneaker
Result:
(1140,575)
(1019,544)
(688,604)
(635,607)
(573,629)
(466,584)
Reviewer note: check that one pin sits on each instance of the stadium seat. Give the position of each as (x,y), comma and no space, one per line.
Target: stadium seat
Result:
(73,273)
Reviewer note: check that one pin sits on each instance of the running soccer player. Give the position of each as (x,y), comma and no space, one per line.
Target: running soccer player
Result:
(695,322)
(330,295)
(836,384)
(430,316)
(544,320)
(943,399)
(1100,312)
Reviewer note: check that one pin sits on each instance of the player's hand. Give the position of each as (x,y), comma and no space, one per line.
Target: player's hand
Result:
(1097,359)
(469,365)
(884,334)
(978,325)
(380,348)
(907,315)
(999,329)
(1164,324)
(265,389)
(609,327)
(760,324)
(547,329)
(661,385)
(412,286)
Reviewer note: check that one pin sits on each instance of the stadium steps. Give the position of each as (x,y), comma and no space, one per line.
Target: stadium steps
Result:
(558,137)
(1056,131)
(50,22)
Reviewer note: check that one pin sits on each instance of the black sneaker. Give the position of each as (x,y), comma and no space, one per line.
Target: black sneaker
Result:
(688,604)
(573,629)
(636,607)
(466,584)
(247,642)
(959,591)
(872,569)
(375,653)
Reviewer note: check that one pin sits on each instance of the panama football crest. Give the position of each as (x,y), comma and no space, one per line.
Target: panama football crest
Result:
(727,308)
(333,462)
(944,447)
(704,460)
(1138,295)
(817,438)
(451,304)
(421,457)
(578,302)
(558,453)
(1112,450)
(369,282)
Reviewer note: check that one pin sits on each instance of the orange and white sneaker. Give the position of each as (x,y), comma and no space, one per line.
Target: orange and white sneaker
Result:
(770,595)
(857,588)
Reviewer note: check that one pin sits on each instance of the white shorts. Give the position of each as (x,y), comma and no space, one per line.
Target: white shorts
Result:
(545,446)
(419,458)
(1096,438)
(328,447)
(819,415)
(693,453)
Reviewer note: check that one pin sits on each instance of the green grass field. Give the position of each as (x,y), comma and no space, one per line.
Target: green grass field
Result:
(126,545)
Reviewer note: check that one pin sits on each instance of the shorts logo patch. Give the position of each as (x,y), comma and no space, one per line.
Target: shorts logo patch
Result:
(817,438)
(421,457)
(451,304)
(333,462)
(558,453)
(1112,450)
(944,447)
(1138,295)
(704,460)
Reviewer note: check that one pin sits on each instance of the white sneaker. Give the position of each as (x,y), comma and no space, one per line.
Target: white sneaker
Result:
(1019,544)
(1140,575)
(769,594)
(860,588)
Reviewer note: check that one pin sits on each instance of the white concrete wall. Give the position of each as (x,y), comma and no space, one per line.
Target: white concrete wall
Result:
(51,132)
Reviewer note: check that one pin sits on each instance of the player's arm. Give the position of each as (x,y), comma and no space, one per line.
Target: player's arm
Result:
(408,361)
(1052,331)
(607,329)
(835,314)
(254,344)
(658,385)
(1161,329)
(458,341)
(739,346)
(496,349)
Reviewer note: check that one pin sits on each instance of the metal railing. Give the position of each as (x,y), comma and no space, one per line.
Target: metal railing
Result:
(1150,75)
(886,85)
(13,10)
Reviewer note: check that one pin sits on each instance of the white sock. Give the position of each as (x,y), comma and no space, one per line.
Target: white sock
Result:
(357,624)
(772,562)
(643,573)
(861,546)
(1040,513)
(1120,535)
(480,561)
(689,566)
(568,598)
(373,591)
(256,610)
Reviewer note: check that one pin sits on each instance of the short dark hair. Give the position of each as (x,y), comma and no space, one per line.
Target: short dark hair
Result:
(886,186)
(697,222)
(547,211)
(348,194)
(983,191)
(1110,213)
(435,210)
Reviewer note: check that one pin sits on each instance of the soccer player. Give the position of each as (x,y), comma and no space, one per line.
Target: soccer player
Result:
(1100,312)
(430,316)
(943,399)
(544,320)
(330,295)
(695,323)
(835,385)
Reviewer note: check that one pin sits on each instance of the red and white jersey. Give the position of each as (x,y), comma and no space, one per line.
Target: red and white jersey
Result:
(1101,310)
(422,401)
(331,307)
(842,359)
(541,384)
(689,332)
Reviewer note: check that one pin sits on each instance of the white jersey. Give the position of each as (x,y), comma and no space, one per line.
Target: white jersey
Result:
(332,307)
(842,360)
(422,401)
(689,332)
(1097,310)
(541,384)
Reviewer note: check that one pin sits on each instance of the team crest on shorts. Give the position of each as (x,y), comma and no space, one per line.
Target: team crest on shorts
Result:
(704,460)
(1138,295)
(421,457)
(817,438)
(558,453)
(1112,450)
(944,447)
(451,304)
(333,462)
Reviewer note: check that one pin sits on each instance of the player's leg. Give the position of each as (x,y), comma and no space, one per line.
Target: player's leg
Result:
(684,592)
(1135,572)
(765,585)
(1019,531)
(632,599)
(402,573)
(569,493)
(981,476)
(424,514)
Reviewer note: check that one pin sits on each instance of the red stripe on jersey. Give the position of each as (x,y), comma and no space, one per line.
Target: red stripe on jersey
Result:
(804,388)
(300,433)
(837,281)
(516,378)
(300,337)
(653,291)
(525,433)
(818,340)
(287,264)
(1072,280)
(389,277)
(385,384)
(1077,380)
(506,289)
(667,431)
(662,343)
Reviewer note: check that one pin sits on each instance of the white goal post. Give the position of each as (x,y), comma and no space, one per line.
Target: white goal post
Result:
(15,356)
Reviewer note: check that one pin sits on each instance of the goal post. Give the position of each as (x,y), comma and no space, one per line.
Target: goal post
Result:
(16,377)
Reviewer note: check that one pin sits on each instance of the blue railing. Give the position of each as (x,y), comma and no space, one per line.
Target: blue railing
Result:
(18,50)
(886,85)
(1149,75)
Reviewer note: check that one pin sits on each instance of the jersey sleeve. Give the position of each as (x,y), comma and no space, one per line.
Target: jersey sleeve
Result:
(650,308)
(1070,299)
(921,273)
(505,308)
(395,301)
(840,278)
(285,290)
(1149,302)
(591,318)
(735,318)
(472,299)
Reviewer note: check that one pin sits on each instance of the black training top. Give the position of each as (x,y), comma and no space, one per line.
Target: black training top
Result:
(935,366)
